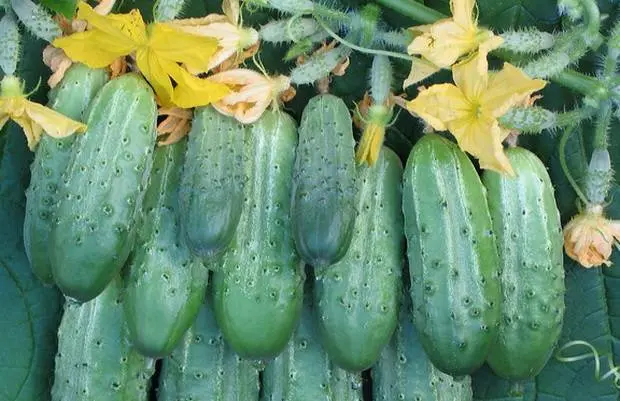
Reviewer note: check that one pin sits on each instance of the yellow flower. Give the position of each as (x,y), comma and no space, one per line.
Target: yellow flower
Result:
(32,117)
(442,43)
(233,38)
(252,93)
(470,109)
(159,48)
(176,125)
(374,119)
(589,237)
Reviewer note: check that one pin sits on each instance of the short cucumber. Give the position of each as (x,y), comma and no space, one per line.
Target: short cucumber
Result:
(211,192)
(304,372)
(258,287)
(357,297)
(102,190)
(527,224)
(452,254)
(324,190)
(165,283)
(204,368)
(404,371)
(95,360)
(71,98)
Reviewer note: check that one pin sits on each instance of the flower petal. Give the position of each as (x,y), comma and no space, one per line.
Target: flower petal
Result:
(440,104)
(231,10)
(238,76)
(172,44)
(32,131)
(507,88)
(125,27)
(463,13)
(94,48)
(4,117)
(420,70)
(370,145)
(446,42)
(192,91)
(52,122)
(471,77)
(481,137)
(155,71)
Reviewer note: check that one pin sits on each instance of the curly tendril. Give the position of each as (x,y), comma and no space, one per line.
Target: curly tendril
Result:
(613,370)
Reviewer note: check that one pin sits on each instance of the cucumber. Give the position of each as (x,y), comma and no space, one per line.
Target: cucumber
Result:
(357,298)
(452,255)
(211,194)
(95,360)
(71,98)
(101,194)
(165,283)
(258,287)
(204,368)
(304,372)
(527,224)
(324,189)
(404,371)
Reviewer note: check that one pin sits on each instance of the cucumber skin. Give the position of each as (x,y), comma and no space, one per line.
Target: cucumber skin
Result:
(324,183)
(304,372)
(211,194)
(103,187)
(165,284)
(357,297)
(95,360)
(404,372)
(258,286)
(529,239)
(452,255)
(71,98)
(204,368)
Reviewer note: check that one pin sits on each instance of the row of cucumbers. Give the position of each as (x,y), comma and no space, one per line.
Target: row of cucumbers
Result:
(254,203)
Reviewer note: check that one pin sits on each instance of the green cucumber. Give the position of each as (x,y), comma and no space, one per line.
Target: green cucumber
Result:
(452,253)
(324,188)
(204,368)
(304,372)
(527,224)
(211,194)
(95,360)
(103,187)
(71,98)
(165,283)
(258,288)
(404,371)
(357,298)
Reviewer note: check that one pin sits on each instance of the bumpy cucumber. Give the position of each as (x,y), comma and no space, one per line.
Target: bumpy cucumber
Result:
(103,187)
(211,195)
(165,283)
(204,368)
(324,190)
(258,288)
(304,372)
(95,360)
(404,371)
(357,298)
(452,254)
(527,224)
(71,98)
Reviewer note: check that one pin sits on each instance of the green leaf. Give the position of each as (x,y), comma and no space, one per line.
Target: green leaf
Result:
(64,7)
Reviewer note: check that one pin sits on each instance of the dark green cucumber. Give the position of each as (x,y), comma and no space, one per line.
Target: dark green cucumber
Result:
(103,187)
(165,283)
(204,368)
(71,98)
(453,259)
(404,371)
(527,224)
(258,287)
(357,298)
(95,360)
(304,372)
(211,194)
(324,189)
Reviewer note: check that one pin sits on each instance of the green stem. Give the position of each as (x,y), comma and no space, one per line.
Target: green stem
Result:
(603,120)
(592,16)
(564,165)
(568,78)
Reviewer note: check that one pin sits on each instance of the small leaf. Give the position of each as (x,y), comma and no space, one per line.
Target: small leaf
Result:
(64,7)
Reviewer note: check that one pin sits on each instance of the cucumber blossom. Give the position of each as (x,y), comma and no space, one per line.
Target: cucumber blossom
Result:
(258,286)
(527,224)
(102,189)
(165,283)
(324,188)
(211,194)
(71,98)
(357,297)
(452,253)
